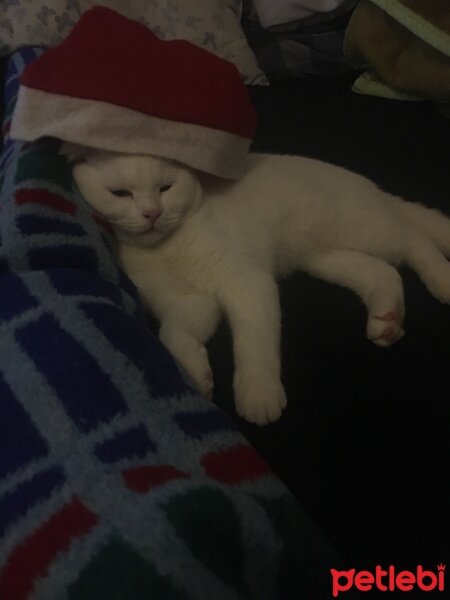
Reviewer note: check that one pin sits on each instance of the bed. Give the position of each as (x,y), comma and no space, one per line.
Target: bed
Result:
(117,480)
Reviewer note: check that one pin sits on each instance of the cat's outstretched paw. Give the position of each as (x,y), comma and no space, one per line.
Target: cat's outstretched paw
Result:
(197,366)
(205,384)
(386,329)
(261,401)
(193,357)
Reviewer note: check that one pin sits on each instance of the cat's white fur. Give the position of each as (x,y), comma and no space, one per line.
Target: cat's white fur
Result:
(207,246)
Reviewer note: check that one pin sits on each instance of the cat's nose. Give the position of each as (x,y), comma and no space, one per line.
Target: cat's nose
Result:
(151,214)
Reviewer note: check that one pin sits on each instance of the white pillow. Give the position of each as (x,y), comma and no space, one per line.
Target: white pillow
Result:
(211,24)
(272,13)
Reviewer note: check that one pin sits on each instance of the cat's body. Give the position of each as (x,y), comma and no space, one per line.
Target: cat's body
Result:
(203,249)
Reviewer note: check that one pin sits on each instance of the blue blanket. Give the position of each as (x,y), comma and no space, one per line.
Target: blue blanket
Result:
(117,480)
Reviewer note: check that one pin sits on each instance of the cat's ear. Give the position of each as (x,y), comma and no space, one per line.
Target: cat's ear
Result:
(75,153)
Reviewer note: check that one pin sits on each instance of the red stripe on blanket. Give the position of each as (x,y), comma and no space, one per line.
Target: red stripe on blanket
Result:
(31,559)
(143,479)
(45,198)
(235,465)
(102,222)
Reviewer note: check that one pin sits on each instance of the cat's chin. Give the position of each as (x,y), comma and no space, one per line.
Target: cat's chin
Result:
(144,238)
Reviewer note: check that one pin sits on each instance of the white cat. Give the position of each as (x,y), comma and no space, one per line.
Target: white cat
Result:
(197,246)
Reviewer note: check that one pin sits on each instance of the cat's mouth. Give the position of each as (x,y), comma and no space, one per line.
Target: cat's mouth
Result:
(149,234)
(139,231)
(149,229)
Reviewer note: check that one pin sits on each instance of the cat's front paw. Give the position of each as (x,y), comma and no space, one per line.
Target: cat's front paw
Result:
(193,357)
(259,400)
(197,366)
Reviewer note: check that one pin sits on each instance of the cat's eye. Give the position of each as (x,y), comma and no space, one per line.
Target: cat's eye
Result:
(165,188)
(121,193)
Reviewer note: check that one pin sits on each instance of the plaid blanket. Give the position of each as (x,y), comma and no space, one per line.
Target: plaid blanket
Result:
(117,480)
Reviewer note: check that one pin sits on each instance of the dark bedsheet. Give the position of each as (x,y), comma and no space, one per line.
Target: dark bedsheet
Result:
(366,427)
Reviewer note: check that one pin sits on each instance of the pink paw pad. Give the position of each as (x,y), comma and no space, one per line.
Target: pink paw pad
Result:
(388,334)
(392,331)
(386,329)
(389,317)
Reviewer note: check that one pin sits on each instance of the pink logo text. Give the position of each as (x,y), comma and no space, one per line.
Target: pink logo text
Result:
(388,580)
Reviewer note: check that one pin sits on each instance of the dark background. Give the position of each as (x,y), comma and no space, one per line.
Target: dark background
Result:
(364,443)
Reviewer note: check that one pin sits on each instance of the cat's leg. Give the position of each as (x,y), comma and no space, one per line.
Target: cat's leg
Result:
(187,317)
(251,303)
(430,222)
(187,322)
(431,265)
(377,283)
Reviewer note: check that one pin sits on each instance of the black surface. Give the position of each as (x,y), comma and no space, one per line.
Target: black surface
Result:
(364,443)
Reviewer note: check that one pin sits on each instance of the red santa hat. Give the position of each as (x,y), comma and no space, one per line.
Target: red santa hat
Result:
(114,85)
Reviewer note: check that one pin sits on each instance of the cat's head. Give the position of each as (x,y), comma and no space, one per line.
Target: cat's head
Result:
(141,196)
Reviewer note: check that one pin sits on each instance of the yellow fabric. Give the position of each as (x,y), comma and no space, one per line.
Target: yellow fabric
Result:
(405,45)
